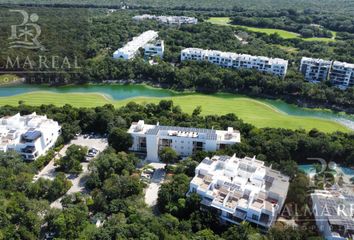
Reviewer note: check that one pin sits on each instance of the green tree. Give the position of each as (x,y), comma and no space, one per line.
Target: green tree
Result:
(109,163)
(120,140)
(172,195)
(197,111)
(71,162)
(118,187)
(168,155)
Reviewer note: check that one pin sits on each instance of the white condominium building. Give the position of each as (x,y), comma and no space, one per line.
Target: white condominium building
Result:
(241,189)
(171,20)
(275,66)
(131,49)
(154,49)
(30,135)
(151,139)
(315,70)
(333,212)
(342,74)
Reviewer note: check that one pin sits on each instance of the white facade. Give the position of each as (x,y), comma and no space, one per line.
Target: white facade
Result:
(333,213)
(171,20)
(151,139)
(342,74)
(315,70)
(154,49)
(276,66)
(242,189)
(131,49)
(30,135)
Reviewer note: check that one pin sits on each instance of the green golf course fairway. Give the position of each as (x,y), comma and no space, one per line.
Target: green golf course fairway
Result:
(225,21)
(251,111)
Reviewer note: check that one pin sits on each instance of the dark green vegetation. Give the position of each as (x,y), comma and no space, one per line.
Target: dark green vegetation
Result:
(119,139)
(23,203)
(308,23)
(70,163)
(340,6)
(115,190)
(58,36)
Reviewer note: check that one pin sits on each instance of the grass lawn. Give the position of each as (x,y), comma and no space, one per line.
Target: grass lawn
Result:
(288,49)
(251,111)
(282,33)
(319,39)
(225,21)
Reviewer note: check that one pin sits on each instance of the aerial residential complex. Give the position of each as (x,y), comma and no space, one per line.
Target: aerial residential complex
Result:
(333,212)
(131,49)
(340,74)
(315,70)
(171,20)
(151,139)
(30,135)
(274,66)
(241,189)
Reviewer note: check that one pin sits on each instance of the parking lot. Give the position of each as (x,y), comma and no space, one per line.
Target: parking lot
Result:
(49,172)
(91,142)
(78,182)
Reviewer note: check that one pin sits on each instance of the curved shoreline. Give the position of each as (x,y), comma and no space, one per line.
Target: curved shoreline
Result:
(253,111)
(272,103)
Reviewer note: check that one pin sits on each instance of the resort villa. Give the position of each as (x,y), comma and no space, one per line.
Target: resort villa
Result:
(147,40)
(30,135)
(240,189)
(275,66)
(341,74)
(151,139)
(170,20)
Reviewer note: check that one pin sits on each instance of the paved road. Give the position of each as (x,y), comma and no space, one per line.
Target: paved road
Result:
(151,192)
(48,172)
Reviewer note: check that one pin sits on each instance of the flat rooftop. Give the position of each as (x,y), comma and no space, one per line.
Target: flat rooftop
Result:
(188,132)
(138,42)
(234,56)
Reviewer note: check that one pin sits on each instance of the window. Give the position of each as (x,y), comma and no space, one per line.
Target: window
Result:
(255,217)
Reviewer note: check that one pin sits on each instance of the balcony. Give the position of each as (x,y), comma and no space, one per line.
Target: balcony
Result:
(164,143)
(28,149)
(265,219)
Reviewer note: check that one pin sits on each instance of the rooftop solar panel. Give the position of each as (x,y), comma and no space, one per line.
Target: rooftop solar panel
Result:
(32,135)
(268,179)
(210,133)
(207,161)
